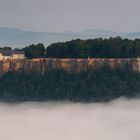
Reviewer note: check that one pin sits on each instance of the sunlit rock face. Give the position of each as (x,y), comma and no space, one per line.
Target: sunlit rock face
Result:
(71,65)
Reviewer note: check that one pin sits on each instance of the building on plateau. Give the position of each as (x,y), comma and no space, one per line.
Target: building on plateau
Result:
(11,55)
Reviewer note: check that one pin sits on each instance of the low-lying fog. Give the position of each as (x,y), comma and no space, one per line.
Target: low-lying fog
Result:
(118,120)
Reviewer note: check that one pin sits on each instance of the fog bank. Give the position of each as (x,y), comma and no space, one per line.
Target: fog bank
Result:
(118,120)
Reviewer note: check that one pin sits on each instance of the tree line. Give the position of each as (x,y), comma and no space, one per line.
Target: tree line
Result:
(31,51)
(91,48)
(96,48)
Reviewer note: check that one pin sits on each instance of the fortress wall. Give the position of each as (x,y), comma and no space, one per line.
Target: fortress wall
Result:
(70,65)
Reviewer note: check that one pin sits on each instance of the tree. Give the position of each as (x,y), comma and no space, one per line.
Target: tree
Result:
(34,51)
(6,48)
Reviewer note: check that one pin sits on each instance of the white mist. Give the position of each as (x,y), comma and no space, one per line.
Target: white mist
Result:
(118,120)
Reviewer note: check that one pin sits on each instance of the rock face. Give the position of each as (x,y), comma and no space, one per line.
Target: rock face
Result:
(70,65)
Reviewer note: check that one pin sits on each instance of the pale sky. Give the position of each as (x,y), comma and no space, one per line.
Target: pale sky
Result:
(71,15)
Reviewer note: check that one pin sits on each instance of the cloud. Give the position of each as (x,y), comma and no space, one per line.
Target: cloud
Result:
(118,120)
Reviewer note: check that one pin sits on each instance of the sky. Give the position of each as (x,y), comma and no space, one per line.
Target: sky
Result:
(71,15)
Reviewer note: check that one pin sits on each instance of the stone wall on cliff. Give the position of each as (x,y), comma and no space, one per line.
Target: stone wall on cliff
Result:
(71,65)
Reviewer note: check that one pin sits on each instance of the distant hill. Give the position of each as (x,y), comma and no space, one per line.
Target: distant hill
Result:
(20,38)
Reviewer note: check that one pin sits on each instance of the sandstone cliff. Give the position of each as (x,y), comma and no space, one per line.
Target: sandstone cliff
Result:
(70,65)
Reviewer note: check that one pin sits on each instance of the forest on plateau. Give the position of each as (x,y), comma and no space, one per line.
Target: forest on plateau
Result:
(91,48)
(96,48)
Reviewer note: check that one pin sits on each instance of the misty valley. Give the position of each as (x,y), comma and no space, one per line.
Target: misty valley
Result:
(69,70)
(115,120)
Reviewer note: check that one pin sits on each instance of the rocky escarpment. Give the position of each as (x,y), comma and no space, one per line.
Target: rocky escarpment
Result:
(70,65)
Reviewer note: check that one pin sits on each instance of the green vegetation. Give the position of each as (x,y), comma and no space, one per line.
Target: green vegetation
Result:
(34,51)
(58,85)
(5,48)
(96,48)
(92,48)
(90,86)
(31,51)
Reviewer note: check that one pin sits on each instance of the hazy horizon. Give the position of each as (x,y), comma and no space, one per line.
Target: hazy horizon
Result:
(65,31)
